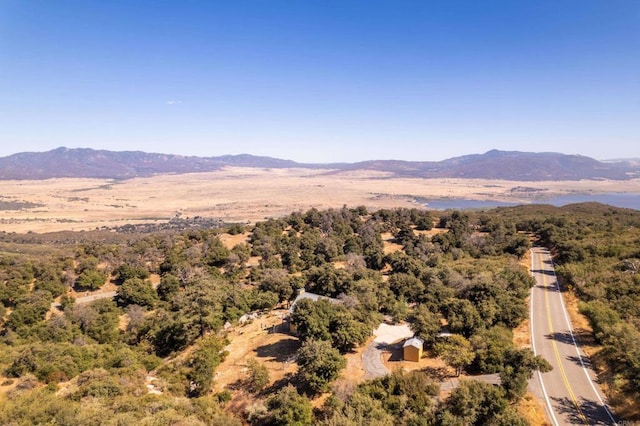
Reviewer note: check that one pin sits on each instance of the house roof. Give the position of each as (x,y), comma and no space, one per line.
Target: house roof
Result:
(314,297)
(416,342)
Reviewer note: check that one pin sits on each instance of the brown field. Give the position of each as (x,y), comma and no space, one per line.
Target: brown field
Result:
(247,195)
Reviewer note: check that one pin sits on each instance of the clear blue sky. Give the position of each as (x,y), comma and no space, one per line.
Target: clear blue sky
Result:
(321,81)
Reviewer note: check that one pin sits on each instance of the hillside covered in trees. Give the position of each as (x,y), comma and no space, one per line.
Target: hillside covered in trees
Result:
(65,359)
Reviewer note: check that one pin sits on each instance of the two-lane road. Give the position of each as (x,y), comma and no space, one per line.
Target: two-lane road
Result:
(569,392)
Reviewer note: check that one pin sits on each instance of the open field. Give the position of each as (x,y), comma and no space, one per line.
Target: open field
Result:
(246,195)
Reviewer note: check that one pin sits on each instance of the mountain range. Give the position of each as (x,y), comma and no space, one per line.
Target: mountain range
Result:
(495,164)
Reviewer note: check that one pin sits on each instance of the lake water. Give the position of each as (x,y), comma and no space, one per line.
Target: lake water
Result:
(630,201)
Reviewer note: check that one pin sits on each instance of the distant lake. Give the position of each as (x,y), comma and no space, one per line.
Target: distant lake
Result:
(630,201)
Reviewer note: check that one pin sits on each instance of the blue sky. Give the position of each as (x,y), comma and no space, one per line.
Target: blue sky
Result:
(321,81)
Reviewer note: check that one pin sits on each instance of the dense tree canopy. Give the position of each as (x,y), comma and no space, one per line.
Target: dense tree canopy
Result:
(320,363)
(455,272)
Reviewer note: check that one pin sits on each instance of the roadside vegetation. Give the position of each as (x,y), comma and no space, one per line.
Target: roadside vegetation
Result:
(597,254)
(149,355)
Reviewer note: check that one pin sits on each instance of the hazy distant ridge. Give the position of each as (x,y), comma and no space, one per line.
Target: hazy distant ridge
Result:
(507,165)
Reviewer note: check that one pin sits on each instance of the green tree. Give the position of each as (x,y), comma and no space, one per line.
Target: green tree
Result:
(277,281)
(136,291)
(200,307)
(29,311)
(359,409)
(490,347)
(289,408)
(601,317)
(346,332)
(91,279)
(406,286)
(328,281)
(48,278)
(98,320)
(476,403)
(127,271)
(404,395)
(519,365)
(215,253)
(463,317)
(324,320)
(456,351)
(258,376)
(168,287)
(425,324)
(202,364)
(320,364)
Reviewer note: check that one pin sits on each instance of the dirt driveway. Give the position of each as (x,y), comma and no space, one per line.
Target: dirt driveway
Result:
(372,356)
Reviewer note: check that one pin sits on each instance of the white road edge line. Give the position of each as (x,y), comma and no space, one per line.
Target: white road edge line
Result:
(533,345)
(575,344)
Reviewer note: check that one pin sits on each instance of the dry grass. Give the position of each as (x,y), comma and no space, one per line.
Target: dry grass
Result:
(522,335)
(257,340)
(230,241)
(531,409)
(237,194)
(264,341)
(390,246)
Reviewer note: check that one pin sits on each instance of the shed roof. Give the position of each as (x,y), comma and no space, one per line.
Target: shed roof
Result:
(416,342)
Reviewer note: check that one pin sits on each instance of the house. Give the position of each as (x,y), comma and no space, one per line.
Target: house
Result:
(303,294)
(412,349)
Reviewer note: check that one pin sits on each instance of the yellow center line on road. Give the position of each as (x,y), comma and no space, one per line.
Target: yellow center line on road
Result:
(555,346)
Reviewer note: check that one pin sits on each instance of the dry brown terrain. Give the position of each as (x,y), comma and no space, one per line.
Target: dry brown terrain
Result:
(247,195)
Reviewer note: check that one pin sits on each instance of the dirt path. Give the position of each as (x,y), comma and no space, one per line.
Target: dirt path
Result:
(373,366)
(372,356)
(452,382)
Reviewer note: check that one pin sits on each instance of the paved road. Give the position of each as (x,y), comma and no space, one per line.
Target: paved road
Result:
(569,392)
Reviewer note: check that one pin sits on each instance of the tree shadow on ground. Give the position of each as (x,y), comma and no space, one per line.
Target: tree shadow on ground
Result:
(437,373)
(281,351)
(395,352)
(288,379)
(562,337)
(543,271)
(581,361)
(586,411)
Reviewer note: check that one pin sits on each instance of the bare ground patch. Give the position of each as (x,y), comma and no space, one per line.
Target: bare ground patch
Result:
(230,241)
(262,339)
(390,245)
(531,409)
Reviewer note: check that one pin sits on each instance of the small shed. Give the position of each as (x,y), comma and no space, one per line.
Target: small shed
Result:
(412,349)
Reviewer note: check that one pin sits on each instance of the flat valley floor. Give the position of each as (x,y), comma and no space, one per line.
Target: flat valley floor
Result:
(245,195)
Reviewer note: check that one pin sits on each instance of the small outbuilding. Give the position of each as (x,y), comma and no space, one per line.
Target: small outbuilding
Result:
(412,349)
